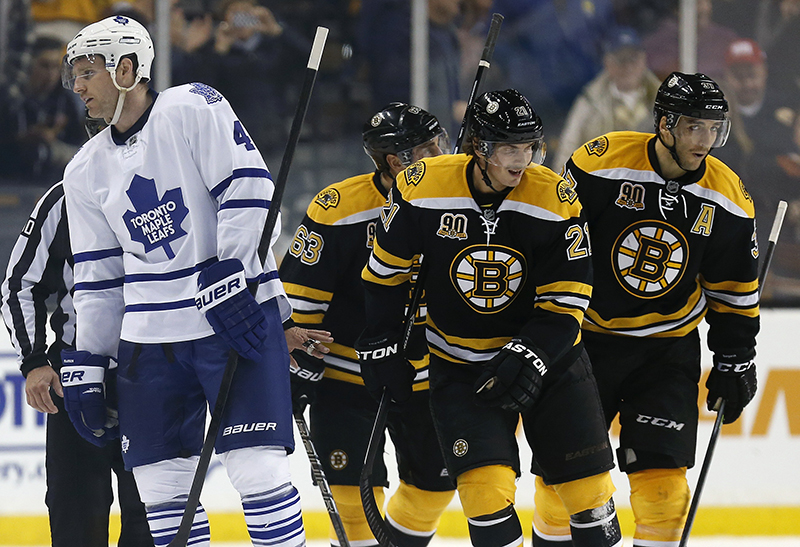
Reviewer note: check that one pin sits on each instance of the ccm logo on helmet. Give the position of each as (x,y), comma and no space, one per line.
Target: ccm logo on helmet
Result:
(249,428)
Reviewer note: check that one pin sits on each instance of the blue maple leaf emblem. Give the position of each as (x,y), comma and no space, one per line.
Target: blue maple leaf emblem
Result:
(155,222)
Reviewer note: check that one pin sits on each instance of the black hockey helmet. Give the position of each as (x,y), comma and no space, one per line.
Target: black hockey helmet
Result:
(397,129)
(693,95)
(505,117)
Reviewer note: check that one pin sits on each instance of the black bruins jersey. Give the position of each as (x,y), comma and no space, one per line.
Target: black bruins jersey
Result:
(521,267)
(321,273)
(667,253)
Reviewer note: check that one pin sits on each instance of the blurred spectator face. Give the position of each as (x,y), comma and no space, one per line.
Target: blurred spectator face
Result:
(45,72)
(626,67)
(242,20)
(624,59)
(704,9)
(790,8)
(746,72)
(443,11)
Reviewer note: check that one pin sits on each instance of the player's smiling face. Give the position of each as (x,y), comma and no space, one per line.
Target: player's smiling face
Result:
(508,162)
(93,84)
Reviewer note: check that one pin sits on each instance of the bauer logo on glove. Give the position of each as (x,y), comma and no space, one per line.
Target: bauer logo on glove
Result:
(220,291)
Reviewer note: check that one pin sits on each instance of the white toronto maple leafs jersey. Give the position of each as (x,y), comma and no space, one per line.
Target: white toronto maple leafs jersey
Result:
(150,208)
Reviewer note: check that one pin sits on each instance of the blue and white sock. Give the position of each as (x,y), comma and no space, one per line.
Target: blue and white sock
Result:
(274,518)
(165,518)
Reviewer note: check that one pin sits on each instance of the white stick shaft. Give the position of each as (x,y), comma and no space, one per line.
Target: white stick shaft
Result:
(778,222)
(316,49)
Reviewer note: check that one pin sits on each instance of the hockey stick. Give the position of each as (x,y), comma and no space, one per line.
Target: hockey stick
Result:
(773,240)
(483,64)
(182,536)
(318,476)
(376,522)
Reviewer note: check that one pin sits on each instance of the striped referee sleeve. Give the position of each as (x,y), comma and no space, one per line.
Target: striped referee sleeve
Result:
(40,266)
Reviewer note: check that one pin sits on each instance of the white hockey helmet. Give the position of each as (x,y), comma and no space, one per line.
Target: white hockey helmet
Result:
(114,38)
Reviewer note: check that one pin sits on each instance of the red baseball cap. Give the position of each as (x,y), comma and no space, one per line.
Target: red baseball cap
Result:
(744,50)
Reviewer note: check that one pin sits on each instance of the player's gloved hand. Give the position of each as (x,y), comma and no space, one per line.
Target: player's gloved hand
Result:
(513,378)
(735,383)
(383,366)
(229,307)
(306,372)
(87,382)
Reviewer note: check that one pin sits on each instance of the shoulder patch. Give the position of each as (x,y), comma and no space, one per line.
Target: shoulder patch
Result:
(745,193)
(414,173)
(210,94)
(597,147)
(566,193)
(328,198)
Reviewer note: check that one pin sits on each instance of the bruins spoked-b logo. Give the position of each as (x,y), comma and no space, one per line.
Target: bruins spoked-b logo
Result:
(488,278)
(649,258)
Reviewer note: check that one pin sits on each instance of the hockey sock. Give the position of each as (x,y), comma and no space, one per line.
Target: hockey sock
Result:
(487,497)
(413,514)
(165,518)
(593,519)
(274,517)
(660,500)
(348,502)
(550,518)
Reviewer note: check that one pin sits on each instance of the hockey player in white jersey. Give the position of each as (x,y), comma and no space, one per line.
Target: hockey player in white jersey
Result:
(171,197)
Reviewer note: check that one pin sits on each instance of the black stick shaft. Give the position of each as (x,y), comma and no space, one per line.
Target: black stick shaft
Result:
(182,536)
(712,443)
(318,475)
(485,63)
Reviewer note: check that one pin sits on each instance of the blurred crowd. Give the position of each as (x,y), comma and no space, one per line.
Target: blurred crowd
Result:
(587,66)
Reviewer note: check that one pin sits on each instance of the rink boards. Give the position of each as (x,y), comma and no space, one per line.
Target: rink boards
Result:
(753,487)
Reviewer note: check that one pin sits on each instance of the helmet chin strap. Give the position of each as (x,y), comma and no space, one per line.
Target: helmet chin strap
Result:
(123,91)
(485,174)
(672,151)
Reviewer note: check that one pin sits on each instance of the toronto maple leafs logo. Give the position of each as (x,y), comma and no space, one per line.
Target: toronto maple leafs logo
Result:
(155,222)
(210,94)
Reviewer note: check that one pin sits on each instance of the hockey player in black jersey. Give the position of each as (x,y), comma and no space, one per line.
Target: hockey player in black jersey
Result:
(673,241)
(509,277)
(322,277)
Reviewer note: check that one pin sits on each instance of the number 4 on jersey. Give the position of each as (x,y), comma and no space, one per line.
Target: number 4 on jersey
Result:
(240,136)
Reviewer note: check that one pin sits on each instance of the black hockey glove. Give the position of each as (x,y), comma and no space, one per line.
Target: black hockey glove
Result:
(383,365)
(306,372)
(513,378)
(735,383)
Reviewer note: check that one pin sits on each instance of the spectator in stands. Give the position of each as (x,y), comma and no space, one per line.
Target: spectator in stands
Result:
(712,42)
(761,142)
(256,61)
(550,50)
(39,136)
(63,18)
(385,43)
(620,98)
(16,41)
(642,15)
(784,50)
(192,38)
(472,27)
